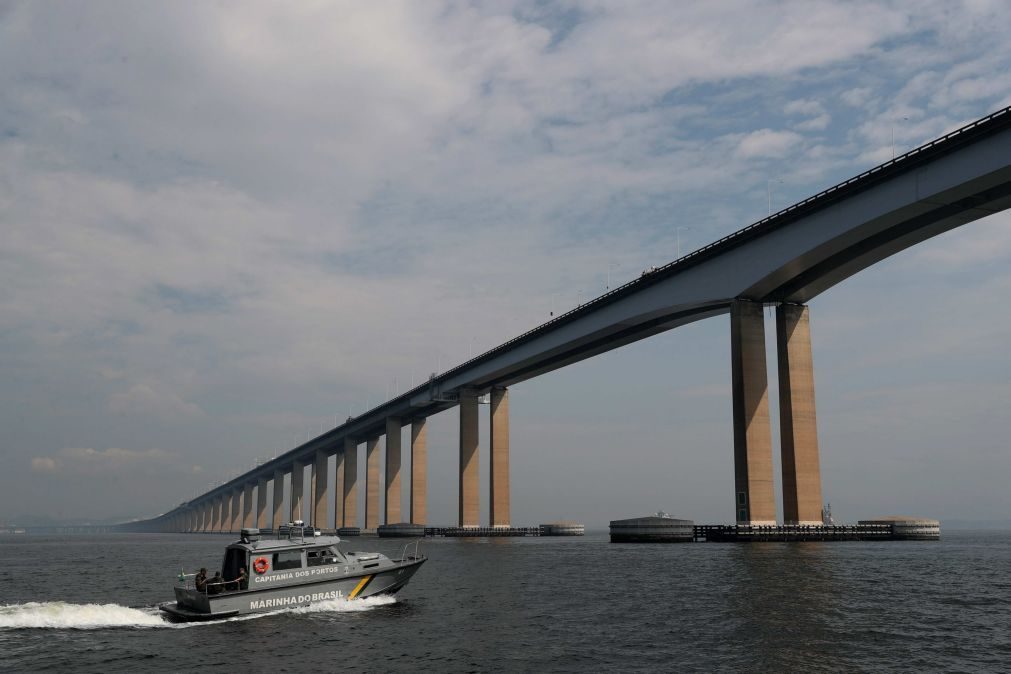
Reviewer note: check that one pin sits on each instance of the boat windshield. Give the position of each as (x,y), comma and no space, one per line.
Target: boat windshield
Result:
(323,556)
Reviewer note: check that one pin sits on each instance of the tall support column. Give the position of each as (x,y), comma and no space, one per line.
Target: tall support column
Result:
(226,513)
(392,493)
(220,513)
(236,519)
(350,483)
(372,484)
(277,517)
(205,517)
(419,471)
(261,503)
(247,505)
(797,421)
(295,509)
(498,503)
(215,525)
(319,488)
(338,489)
(754,499)
(469,498)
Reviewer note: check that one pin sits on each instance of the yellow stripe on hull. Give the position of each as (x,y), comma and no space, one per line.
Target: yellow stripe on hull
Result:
(361,586)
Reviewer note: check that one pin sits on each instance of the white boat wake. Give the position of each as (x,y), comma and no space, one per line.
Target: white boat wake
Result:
(67,616)
(62,615)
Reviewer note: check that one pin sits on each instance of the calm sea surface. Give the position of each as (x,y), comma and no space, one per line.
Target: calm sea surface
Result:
(88,603)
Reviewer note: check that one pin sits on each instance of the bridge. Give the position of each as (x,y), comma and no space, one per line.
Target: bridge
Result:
(784,260)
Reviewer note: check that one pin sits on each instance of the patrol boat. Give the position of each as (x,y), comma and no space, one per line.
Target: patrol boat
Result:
(298,567)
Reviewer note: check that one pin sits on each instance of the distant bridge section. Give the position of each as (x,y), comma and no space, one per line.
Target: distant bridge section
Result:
(785,260)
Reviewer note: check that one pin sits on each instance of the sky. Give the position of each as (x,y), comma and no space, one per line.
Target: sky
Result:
(224,226)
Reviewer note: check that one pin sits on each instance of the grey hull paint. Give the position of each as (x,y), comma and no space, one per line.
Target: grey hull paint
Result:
(387,578)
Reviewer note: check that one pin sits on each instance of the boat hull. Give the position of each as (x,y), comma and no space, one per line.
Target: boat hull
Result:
(191,605)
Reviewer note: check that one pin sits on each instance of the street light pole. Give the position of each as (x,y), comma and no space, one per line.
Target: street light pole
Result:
(677,238)
(768,190)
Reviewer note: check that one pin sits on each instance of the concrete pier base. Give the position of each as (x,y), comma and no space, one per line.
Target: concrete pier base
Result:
(261,503)
(419,471)
(469,499)
(754,498)
(372,484)
(277,517)
(338,490)
(498,503)
(350,483)
(798,428)
(219,505)
(295,508)
(320,478)
(236,520)
(391,494)
(247,505)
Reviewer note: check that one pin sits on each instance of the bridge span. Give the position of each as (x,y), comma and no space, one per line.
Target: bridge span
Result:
(784,260)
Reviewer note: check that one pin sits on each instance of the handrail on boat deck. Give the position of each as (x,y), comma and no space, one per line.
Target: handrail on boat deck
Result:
(403,552)
(188,581)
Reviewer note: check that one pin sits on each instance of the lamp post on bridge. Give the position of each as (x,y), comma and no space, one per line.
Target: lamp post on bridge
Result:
(677,238)
(768,190)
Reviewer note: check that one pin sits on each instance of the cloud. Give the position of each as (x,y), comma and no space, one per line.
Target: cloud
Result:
(143,399)
(43,464)
(89,461)
(856,97)
(807,108)
(766,143)
(115,455)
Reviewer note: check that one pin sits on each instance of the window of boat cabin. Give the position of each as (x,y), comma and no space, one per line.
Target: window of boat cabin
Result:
(321,556)
(288,559)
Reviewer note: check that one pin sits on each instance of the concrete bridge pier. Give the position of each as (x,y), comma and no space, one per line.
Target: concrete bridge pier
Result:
(754,499)
(261,503)
(469,498)
(234,522)
(419,471)
(499,474)
(392,493)
(276,518)
(372,484)
(802,500)
(320,479)
(295,509)
(219,504)
(338,489)
(247,505)
(350,518)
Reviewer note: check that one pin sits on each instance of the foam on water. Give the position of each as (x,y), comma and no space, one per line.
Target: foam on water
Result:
(346,605)
(63,615)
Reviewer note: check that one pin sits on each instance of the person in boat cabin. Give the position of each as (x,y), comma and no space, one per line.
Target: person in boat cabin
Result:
(216,584)
(242,580)
(200,582)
